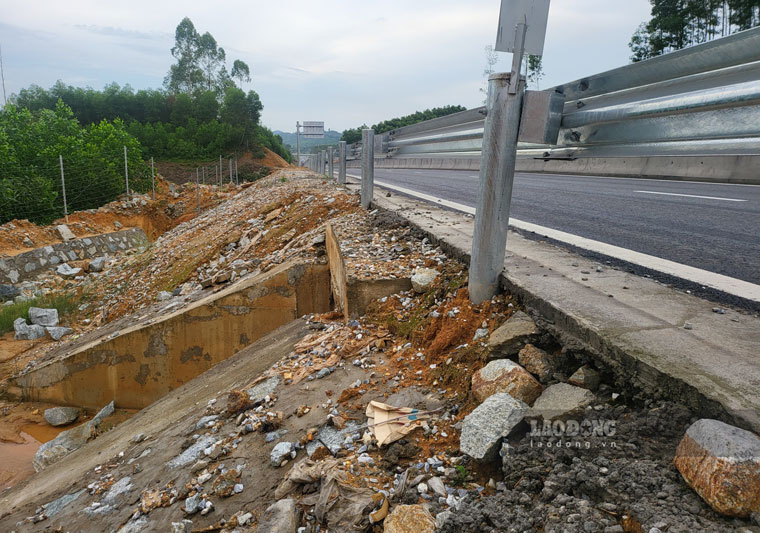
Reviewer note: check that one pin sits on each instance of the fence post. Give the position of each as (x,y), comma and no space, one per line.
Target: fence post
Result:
(203,175)
(197,190)
(63,187)
(221,170)
(342,162)
(497,173)
(330,164)
(229,160)
(237,176)
(126,172)
(368,167)
(153,178)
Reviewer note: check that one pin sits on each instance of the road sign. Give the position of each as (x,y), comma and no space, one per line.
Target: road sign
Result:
(534,14)
(313,130)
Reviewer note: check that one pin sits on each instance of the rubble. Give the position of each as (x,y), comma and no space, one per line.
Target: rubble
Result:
(722,464)
(585,377)
(26,332)
(43,317)
(409,519)
(57,333)
(280,517)
(537,362)
(65,233)
(423,278)
(561,400)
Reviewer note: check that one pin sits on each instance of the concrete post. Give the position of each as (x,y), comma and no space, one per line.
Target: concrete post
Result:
(322,166)
(342,162)
(232,180)
(63,188)
(153,178)
(221,171)
(330,164)
(126,172)
(368,167)
(497,173)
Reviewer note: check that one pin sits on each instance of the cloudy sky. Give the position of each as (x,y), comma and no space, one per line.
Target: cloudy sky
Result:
(346,63)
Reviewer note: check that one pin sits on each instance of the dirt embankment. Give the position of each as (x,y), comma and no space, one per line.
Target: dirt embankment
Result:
(248,168)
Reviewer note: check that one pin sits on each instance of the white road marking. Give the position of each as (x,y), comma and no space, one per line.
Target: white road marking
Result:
(693,196)
(729,285)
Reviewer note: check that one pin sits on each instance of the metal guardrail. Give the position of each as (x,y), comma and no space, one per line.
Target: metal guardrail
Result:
(703,100)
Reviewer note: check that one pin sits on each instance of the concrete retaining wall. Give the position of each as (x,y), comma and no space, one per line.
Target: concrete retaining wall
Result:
(142,363)
(744,169)
(28,264)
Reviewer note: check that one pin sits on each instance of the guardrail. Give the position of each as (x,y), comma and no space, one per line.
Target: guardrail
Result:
(703,100)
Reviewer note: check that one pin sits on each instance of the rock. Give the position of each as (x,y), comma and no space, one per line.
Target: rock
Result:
(8,292)
(258,392)
(27,332)
(560,400)
(56,333)
(117,224)
(64,270)
(722,464)
(69,440)
(163,296)
(97,264)
(279,453)
(43,317)
(437,486)
(537,362)
(504,375)
(423,278)
(440,519)
(280,517)
(585,377)
(60,416)
(56,506)
(65,233)
(409,519)
(512,336)
(485,426)
(480,333)
(193,503)
(186,526)
(29,243)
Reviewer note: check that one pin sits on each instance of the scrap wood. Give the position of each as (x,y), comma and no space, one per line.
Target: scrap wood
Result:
(389,423)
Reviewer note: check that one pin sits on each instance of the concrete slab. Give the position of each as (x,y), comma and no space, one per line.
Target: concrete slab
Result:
(655,338)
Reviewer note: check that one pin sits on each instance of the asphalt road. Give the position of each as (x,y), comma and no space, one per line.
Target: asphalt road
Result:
(715,227)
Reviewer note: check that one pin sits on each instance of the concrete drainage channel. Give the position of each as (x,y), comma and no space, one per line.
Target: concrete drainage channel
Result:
(142,363)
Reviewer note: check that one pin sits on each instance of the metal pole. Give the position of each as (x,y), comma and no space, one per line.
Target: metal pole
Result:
(330,163)
(216,174)
(298,144)
(237,176)
(342,162)
(63,187)
(197,190)
(126,172)
(230,161)
(221,170)
(497,173)
(368,166)
(153,178)
(203,175)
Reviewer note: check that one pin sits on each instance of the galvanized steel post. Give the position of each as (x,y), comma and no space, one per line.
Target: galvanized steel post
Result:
(497,172)
(330,164)
(342,162)
(153,178)
(63,188)
(126,173)
(368,167)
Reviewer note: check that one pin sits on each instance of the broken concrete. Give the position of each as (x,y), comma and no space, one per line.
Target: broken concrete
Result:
(490,422)
(503,375)
(561,400)
(512,336)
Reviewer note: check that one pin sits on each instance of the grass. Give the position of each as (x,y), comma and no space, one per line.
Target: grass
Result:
(64,303)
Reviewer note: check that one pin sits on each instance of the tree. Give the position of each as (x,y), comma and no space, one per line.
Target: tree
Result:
(353,135)
(491,59)
(241,72)
(211,59)
(535,69)
(185,75)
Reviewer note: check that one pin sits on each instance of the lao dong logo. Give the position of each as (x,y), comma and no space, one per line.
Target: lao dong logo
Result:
(571,433)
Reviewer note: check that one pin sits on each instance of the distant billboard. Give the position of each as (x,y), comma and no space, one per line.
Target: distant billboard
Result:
(313,130)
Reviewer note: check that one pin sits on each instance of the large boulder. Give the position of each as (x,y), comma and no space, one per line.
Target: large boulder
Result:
(560,401)
(507,376)
(70,440)
(722,464)
(280,517)
(8,292)
(43,317)
(512,336)
(409,519)
(57,333)
(484,428)
(537,362)
(60,416)
(64,270)
(423,278)
(97,264)
(26,332)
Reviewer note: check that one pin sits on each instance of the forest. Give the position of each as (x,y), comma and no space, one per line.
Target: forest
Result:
(201,112)
(676,24)
(353,135)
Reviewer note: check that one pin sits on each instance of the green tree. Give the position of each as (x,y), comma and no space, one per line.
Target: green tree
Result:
(241,72)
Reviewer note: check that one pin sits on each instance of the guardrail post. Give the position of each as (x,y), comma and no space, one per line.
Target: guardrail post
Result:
(497,173)
(342,162)
(368,167)
(330,164)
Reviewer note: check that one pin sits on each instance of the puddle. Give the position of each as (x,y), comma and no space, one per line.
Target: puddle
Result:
(17,460)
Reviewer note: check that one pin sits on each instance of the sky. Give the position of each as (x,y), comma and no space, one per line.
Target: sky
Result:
(344,62)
